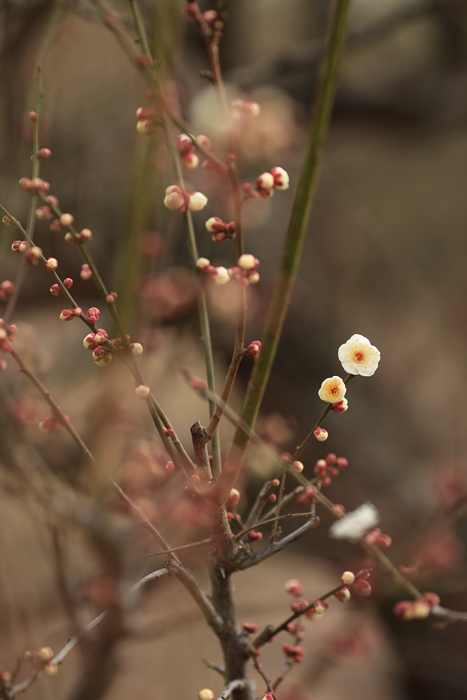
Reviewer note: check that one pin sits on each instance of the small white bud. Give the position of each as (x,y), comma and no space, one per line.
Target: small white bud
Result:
(222,275)
(142,391)
(66,219)
(247,261)
(197,201)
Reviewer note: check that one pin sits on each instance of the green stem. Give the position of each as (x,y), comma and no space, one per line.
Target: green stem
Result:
(324,99)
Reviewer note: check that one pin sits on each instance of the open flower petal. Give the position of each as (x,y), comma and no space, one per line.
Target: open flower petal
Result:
(332,390)
(355,524)
(358,356)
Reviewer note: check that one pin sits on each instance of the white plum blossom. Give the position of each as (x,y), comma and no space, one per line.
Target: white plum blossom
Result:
(358,356)
(355,524)
(332,390)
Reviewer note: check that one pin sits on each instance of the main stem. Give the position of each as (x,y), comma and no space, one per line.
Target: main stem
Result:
(304,198)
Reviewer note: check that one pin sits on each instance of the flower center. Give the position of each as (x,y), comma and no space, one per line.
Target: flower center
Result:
(358,357)
(334,390)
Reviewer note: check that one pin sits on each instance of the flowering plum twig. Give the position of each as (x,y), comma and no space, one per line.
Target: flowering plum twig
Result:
(13,690)
(304,198)
(21,273)
(259,669)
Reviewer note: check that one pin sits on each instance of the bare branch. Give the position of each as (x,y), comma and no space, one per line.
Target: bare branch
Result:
(258,557)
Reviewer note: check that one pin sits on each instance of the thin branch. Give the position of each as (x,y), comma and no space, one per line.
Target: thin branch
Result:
(258,667)
(235,685)
(215,667)
(259,557)
(258,505)
(212,618)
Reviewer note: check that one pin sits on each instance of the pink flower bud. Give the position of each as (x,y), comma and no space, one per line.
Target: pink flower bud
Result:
(68,283)
(254,349)
(101,357)
(48,425)
(233,499)
(56,226)
(191,10)
(55,290)
(249,627)
(86,272)
(70,239)
(67,315)
(265,182)
(44,212)
(210,16)
(190,161)
(142,391)
(66,220)
(44,153)
(88,341)
(320,607)
(184,144)
(197,201)
(340,406)
(215,225)
(281,178)
(320,434)
(174,199)
(33,117)
(272,497)
(51,264)
(298,466)
(348,577)
(294,587)
(85,235)
(431,598)
(343,595)
(25,184)
(92,314)
(342,463)
(7,221)
(6,290)
(204,141)
(50,670)
(362,587)
(33,254)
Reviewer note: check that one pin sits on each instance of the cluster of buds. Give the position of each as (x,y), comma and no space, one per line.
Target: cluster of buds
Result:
(253,535)
(7,335)
(219,230)
(327,469)
(294,652)
(49,424)
(42,661)
(92,315)
(246,270)
(44,212)
(416,609)
(378,538)
(186,147)
(95,343)
(70,314)
(147,120)
(36,185)
(177,200)
(6,290)
(307,496)
(55,289)
(250,627)
(276,179)
(19,246)
(254,349)
(240,109)
(219,275)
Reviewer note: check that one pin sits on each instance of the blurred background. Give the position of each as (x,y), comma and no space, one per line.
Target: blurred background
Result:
(385,257)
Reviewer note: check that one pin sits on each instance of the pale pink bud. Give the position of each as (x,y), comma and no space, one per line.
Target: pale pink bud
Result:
(25,184)
(343,595)
(254,349)
(44,153)
(320,607)
(136,349)
(85,235)
(174,199)
(348,577)
(293,586)
(247,261)
(33,117)
(320,434)
(45,654)
(51,264)
(204,141)
(265,181)
(48,425)
(298,466)
(184,144)
(253,277)
(44,212)
(3,364)
(86,272)
(233,499)
(210,16)
(101,357)
(56,226)
(37,184)
(55,290)
(202,264)
(206,694)
(144,126)
(7,221)
(190,161)
(92,314)
(197,201)
(67,315)
(252,109)
(33,255)
(362,587)
(70,239)
(170,466)
(88,341)
(66,220)
(281,178)
(340,406)
(421,609)
(68,283)
(221,276)
(215,225)
(6,289)
(142,391)
(50,670)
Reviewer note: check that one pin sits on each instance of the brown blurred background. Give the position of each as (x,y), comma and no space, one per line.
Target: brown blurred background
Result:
(385,257)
